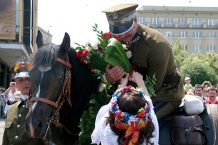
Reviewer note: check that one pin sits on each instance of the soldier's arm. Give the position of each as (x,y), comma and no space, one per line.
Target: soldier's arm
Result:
(158,63)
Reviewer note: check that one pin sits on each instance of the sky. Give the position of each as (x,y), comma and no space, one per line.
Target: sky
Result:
(76,17)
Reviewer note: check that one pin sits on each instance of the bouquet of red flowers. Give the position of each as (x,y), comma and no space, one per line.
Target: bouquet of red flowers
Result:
(108,51)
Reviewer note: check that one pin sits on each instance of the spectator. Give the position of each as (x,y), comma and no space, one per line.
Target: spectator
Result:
(205,85)
(2,106)
(15,132)
(9,95)
(190,92)
(198,90)
(2,91)
(187,85)
(212,93)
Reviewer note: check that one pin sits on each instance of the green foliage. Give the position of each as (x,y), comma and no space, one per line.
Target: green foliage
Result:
(209,59)
(199,72)
(198,66)
(150,82)
(87,122)
(180,54)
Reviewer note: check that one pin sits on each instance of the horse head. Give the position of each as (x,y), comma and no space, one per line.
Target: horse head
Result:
(48,71)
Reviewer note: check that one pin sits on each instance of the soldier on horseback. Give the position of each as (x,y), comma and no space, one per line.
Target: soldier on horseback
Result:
(151,55)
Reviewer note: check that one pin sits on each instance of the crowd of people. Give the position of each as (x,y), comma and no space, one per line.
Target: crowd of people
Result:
(206,90)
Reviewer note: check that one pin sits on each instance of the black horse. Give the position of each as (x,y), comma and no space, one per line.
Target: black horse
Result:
(61,87)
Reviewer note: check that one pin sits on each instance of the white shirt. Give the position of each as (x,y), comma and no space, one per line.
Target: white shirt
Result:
(104,135)
(8,97)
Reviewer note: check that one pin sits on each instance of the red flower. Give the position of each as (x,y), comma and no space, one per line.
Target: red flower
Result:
(141,114)
(100,49)
(133,69)
(85,53)
(117,37)
(79,55)
(89,67)
(106,35)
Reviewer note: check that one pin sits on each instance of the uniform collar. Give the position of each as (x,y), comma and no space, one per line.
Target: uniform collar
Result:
(139,34)
(134,39)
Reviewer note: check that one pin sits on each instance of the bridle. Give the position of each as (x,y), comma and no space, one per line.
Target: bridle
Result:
(63,96)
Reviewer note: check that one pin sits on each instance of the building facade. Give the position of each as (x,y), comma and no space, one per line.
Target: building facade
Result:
(18,31)
(197,27)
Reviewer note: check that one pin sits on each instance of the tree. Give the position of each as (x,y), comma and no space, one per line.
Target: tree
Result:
(210,59)
(180,54)
(199,72)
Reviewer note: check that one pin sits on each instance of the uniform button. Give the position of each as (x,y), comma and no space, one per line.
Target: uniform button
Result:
(19,115)
(23,106)
(18,126)
(16,137)
(139,64)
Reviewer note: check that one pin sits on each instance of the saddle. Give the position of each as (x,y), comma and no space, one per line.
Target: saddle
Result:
(209,127)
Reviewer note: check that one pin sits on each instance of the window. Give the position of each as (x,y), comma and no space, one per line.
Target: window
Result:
(197,34)
(196,21)
(211,34)
(141,20)
(211,48)
(17,16)
(183,21)
(210,22)
(197,48)
(168,21)
(183,46)
(168,34)
(154,21)
(183,34)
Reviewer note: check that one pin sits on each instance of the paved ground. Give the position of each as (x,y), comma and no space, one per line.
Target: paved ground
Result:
(2,123)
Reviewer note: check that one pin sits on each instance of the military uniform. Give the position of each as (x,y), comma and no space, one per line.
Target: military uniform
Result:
(151,54)
(15,127)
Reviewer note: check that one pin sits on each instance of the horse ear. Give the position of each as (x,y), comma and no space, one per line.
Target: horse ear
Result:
(66,42)
(39,39)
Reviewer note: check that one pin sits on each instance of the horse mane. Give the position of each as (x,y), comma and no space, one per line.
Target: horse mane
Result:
(46,55)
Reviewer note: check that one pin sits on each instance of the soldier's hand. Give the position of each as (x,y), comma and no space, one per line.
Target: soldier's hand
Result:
(113,74)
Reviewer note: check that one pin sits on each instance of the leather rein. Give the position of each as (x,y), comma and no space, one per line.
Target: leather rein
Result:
(63,96)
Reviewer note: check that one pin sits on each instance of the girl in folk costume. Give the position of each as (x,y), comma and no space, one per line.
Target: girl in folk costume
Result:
(129,118)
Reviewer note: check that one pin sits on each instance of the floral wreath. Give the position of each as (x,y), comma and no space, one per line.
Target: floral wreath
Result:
(126,121)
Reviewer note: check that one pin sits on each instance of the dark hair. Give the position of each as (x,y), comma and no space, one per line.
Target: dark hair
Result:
(198,86)
(212,88)
(206,83)
(131,102)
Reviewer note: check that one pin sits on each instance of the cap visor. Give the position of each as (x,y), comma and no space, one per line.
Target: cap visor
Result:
(121,29)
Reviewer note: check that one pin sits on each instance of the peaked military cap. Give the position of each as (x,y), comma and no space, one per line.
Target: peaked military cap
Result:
(121,18)
(21,68)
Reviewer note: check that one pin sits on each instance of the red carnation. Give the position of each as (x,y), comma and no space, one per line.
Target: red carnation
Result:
(133,69)
(100,49)
(117,37)
(85,53)
(106,35)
